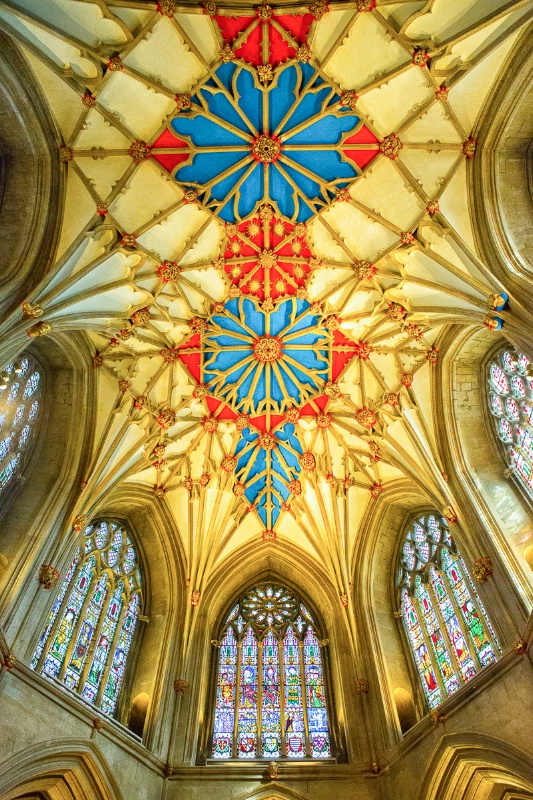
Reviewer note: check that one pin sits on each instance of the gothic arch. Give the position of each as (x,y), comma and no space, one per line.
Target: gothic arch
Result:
(501,185)
(480,768)
(31,182)
(278,565)
(35,510)
(66,770)
(498,511)
(149,669)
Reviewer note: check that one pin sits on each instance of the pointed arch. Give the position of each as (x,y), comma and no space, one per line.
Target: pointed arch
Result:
(449,632)
(65,770)
(270,698)
(484,768)
(91,625)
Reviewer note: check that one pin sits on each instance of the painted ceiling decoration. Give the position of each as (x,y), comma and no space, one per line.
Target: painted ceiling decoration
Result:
(266,230)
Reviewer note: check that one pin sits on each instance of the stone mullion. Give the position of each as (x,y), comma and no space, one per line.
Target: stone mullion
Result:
(92,646)
(237,691)
(283,748)
(112,649)
(429,647)
(304,698)
(59,616)
(462,623)
(259,698)
(76,631)
(444,628)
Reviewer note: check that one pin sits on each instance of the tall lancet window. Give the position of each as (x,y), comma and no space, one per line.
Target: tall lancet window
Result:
(20,406)
(270,696)
(88,636)
(511,405)
(450,635)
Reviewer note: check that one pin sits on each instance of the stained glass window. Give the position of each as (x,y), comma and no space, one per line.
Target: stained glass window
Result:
(270,695)
(511,406)
(448,629)
(20,405)
(90,627)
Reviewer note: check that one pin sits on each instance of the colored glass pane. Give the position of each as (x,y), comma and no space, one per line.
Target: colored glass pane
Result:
(511,409)
(271,699)
(496,404)
(247,715)
(442,610)
(55,609)
(18,418)
(90,627)
(507,361)
(515,423)
(225,698)
(277,681)
(315,697)
(118,663)
(453,628)
(294,712)
(471,618)
(435,633)
(422,657)
(32,385)
(498,379)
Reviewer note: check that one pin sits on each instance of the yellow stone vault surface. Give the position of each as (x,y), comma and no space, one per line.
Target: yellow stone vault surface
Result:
(266,235)
(364,244)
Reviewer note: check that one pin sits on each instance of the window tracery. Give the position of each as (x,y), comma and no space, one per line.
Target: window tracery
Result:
(20,407)
(88,636)
(511,406)
(449,632)
(270,696)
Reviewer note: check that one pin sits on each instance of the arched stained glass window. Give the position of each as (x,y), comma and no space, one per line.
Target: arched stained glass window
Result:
(448,629)
(90,627)
(20,407)
(511,405)
(270,697)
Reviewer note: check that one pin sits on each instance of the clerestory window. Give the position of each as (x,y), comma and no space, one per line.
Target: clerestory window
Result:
(511,405)
(20,407)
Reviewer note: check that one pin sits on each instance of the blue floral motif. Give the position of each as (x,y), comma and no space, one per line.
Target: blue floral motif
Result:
(234,373)
(266,472)
(227,117)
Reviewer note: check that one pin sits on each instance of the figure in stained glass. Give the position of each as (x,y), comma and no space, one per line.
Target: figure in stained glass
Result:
(448,630)
(92,622)
(282,715)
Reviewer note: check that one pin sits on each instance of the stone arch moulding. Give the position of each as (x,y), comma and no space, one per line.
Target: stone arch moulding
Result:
(66,770)
(31,182)
(499,512)
(226,587)
(162,562)
(477,768)
(501,180)
(35,511)
(387,659)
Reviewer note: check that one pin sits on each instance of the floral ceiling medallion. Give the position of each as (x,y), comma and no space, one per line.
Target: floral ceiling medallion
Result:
(240,143)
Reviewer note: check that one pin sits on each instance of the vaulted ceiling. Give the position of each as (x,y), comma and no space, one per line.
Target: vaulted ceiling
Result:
(266,229)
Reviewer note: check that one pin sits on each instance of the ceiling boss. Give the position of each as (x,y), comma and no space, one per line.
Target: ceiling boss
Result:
(300,341)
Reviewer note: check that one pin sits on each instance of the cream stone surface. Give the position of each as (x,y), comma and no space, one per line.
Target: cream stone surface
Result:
(401,267)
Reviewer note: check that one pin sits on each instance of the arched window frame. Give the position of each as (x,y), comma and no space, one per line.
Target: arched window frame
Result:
(427,569)
(263,632)
(515,441)
(133,585)
(28,452)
